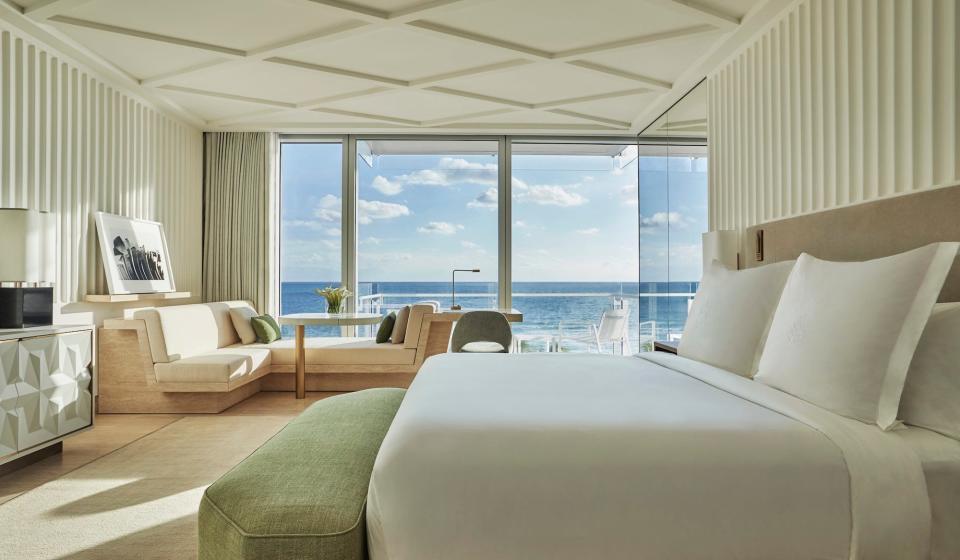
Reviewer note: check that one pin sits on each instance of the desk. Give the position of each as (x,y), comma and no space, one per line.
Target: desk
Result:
(301,320)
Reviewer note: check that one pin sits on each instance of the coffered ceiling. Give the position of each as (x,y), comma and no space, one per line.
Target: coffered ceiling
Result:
(527,66)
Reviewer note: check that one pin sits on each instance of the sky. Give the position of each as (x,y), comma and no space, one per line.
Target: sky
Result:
(575,218)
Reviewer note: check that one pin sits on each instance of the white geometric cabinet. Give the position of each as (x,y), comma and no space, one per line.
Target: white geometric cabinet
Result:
(46,389)
(9,373)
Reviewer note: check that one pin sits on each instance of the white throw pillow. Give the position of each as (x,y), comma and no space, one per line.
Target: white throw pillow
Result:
(241,322)
(931,397)
(730,315)
(844,333)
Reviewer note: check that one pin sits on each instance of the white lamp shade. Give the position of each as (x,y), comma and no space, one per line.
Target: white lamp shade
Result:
(27,246)
(721,245)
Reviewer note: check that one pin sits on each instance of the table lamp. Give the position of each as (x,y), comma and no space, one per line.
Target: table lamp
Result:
(721,245)
(453,283)
(28,262)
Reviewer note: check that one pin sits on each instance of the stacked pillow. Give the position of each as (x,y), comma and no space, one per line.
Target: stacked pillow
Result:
(931,397)
(840,335)
(730,315)
(844,333)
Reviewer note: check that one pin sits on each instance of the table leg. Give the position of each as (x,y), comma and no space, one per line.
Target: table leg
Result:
(301,363)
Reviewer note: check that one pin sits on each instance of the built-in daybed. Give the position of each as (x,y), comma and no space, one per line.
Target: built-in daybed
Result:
(190,359)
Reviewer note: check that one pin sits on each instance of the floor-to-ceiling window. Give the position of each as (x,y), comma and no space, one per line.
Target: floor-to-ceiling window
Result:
(311,178)
(672,216)
(595,230)
(425,208)
(574,236)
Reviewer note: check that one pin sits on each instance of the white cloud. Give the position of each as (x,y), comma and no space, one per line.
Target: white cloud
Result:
(660,219)
(306,224)
(369,210)
(332,232)
(520,224)
(440,228)
(328,209)
(470,245)
(449,171)
(628,194)
(552,195)
(371,241)
(589,231)
(386,186)
(486,199)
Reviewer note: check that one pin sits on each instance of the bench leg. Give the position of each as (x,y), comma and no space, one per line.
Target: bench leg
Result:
(301,364)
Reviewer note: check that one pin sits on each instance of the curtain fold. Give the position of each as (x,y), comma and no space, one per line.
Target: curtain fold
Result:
(239,217)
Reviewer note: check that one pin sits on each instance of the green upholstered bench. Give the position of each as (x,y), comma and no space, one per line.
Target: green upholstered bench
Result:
(303,493)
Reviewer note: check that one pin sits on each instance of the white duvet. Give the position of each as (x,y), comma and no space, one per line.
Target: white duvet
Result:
(587,456)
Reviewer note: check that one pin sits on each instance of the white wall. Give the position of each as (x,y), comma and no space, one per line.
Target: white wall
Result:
(840,102)
(73,144)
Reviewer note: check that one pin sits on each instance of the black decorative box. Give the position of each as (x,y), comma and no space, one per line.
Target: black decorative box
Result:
(26,307)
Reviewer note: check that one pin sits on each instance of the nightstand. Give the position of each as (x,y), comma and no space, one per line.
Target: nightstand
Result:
(668,347)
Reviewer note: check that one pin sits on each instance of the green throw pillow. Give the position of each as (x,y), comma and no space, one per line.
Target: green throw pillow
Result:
(266,328)
(386,328)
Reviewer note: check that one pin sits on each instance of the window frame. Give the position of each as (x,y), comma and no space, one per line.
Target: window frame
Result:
(349,189)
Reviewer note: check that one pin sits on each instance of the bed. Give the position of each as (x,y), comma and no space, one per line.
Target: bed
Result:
(781,448)
(655,456)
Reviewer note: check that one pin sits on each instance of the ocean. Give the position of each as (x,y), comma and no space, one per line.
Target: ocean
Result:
(545,305)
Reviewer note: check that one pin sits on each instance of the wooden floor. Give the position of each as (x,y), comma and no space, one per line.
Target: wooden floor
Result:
(114,431)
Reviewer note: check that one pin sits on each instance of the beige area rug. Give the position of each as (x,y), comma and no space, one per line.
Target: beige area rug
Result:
(137,502)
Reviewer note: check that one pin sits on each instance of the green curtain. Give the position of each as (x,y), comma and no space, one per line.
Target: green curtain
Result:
(239,217)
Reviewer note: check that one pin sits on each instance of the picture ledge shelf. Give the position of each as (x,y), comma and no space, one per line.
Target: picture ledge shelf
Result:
(120,298)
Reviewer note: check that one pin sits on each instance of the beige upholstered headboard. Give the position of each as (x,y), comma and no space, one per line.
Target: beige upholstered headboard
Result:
(865,231)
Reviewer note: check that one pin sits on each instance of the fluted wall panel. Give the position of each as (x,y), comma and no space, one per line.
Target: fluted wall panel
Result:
(838,103)
(72,144)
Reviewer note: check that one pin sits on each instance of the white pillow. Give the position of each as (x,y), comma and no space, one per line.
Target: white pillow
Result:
(241,322)
(844,333)
(730,315)
(931,397)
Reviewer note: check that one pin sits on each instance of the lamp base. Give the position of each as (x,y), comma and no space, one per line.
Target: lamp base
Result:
(26,307)
(455,308)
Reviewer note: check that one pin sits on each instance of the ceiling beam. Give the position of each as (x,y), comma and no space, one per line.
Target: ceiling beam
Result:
(632,42)
(651,83)
(602,120)
(371,20)
(48,8)
(704,14)
(232,97)
(195,45)
(339,72)
(588,98)
(369,116)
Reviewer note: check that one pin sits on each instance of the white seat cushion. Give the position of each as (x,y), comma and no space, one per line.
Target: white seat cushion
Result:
(220,366)
(481,347)
(191,330)
(340,351)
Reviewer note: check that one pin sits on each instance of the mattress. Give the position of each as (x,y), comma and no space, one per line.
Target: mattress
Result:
(566,456)
(940,460)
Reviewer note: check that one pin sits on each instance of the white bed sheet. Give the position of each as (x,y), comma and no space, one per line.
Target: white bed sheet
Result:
(940,458)
(565,456)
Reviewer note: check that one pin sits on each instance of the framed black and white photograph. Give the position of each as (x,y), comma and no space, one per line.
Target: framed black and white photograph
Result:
(135,255)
